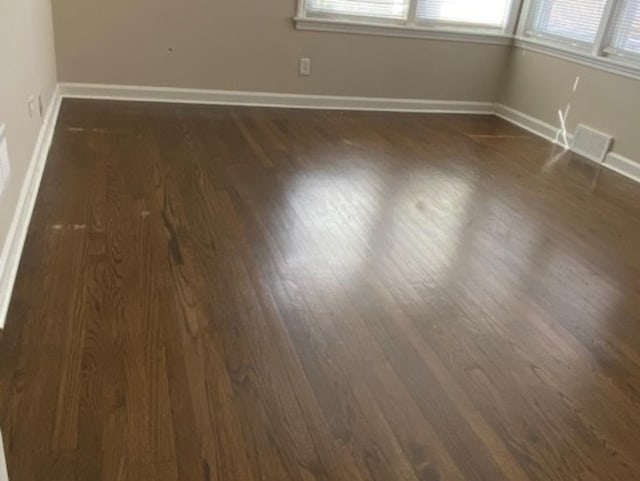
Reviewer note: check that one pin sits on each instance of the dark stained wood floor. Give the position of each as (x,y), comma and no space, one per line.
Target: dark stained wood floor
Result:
(229,294)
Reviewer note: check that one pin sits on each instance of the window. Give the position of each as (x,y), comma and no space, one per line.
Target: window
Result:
(601,33)
(384,9)
(625,29)
(489,13)
(493,17)
(573,21)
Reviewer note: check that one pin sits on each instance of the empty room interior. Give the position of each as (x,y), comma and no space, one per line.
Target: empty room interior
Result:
(320,240)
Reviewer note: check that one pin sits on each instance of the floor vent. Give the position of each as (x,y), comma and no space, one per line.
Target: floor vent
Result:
(591,144)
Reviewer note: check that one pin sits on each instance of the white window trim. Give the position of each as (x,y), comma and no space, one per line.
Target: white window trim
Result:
(411,28)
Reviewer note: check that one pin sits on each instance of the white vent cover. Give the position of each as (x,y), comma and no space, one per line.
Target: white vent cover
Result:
(591,144)
(4,160)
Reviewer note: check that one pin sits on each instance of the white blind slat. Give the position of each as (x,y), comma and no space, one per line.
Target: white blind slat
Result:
(392,9)
(577,20)
(625,29)
(492,13)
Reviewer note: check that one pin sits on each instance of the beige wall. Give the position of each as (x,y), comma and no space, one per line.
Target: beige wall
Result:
(539,85)
(252,45)
(27,67)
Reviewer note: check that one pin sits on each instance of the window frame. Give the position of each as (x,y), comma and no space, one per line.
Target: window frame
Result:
(412,27)
(598,54)
(526,30)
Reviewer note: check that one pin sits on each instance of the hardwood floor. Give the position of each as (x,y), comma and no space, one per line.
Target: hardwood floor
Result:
(228,294)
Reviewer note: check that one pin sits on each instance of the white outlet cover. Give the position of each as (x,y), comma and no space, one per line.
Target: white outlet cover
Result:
(305,66)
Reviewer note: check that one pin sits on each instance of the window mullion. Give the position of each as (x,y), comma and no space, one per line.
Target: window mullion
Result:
(524,18)
(413,11)
(605,27)
(514,15)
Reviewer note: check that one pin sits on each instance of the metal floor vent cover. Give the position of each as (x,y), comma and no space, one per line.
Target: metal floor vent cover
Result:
(592,144)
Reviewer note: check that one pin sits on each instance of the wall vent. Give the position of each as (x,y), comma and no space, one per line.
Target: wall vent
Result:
(591,144)
(4,160)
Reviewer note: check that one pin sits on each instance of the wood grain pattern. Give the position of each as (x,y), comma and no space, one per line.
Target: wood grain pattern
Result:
(217,293)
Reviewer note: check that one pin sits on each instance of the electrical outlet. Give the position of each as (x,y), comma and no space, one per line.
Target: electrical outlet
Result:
(4,160)
(305,66)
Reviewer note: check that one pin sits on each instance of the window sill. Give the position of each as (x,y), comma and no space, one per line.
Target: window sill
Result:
(608,64)
(404,31)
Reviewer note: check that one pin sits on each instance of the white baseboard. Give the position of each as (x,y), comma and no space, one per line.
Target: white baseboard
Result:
(623,165)
(12,250)
(267,99)
(531,124)
(614,161)
(534,125)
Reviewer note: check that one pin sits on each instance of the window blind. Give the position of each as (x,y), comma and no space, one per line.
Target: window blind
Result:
(625,29)
(574,20)
(390,9)
(492,13)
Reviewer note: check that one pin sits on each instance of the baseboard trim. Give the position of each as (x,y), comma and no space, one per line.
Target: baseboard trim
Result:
(267,99)
(623,165)
(12,250)
(531,124)
(616,162)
